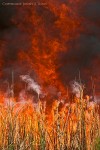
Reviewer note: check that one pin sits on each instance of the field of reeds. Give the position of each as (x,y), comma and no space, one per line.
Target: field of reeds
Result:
(27,126)
(66,126)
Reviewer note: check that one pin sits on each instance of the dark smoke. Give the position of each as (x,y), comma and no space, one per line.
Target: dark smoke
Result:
(83,54)
(12,40)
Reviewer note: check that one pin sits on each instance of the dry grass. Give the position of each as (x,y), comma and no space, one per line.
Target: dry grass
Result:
(27,126)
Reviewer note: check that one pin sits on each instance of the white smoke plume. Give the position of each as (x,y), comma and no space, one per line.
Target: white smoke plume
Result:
(97,99)
(76,88)
(31,84)
(22,96)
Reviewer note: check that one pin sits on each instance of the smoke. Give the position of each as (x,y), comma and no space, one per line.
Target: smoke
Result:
(76,88)
(22,96)
(31,84)
(28,31)
(97,99)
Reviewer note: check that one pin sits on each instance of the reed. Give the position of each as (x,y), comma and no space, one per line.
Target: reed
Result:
(27,126)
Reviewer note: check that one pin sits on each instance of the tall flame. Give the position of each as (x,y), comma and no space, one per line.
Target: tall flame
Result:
(50,30)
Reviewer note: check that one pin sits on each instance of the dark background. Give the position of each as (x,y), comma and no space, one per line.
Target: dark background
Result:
(82,55)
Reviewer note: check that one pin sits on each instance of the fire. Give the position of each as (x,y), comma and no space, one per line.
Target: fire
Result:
(43,33)
(30,122)
(48,38)
(27,122)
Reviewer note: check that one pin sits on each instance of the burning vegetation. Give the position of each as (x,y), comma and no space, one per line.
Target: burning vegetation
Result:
(49,43)
(68,125)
